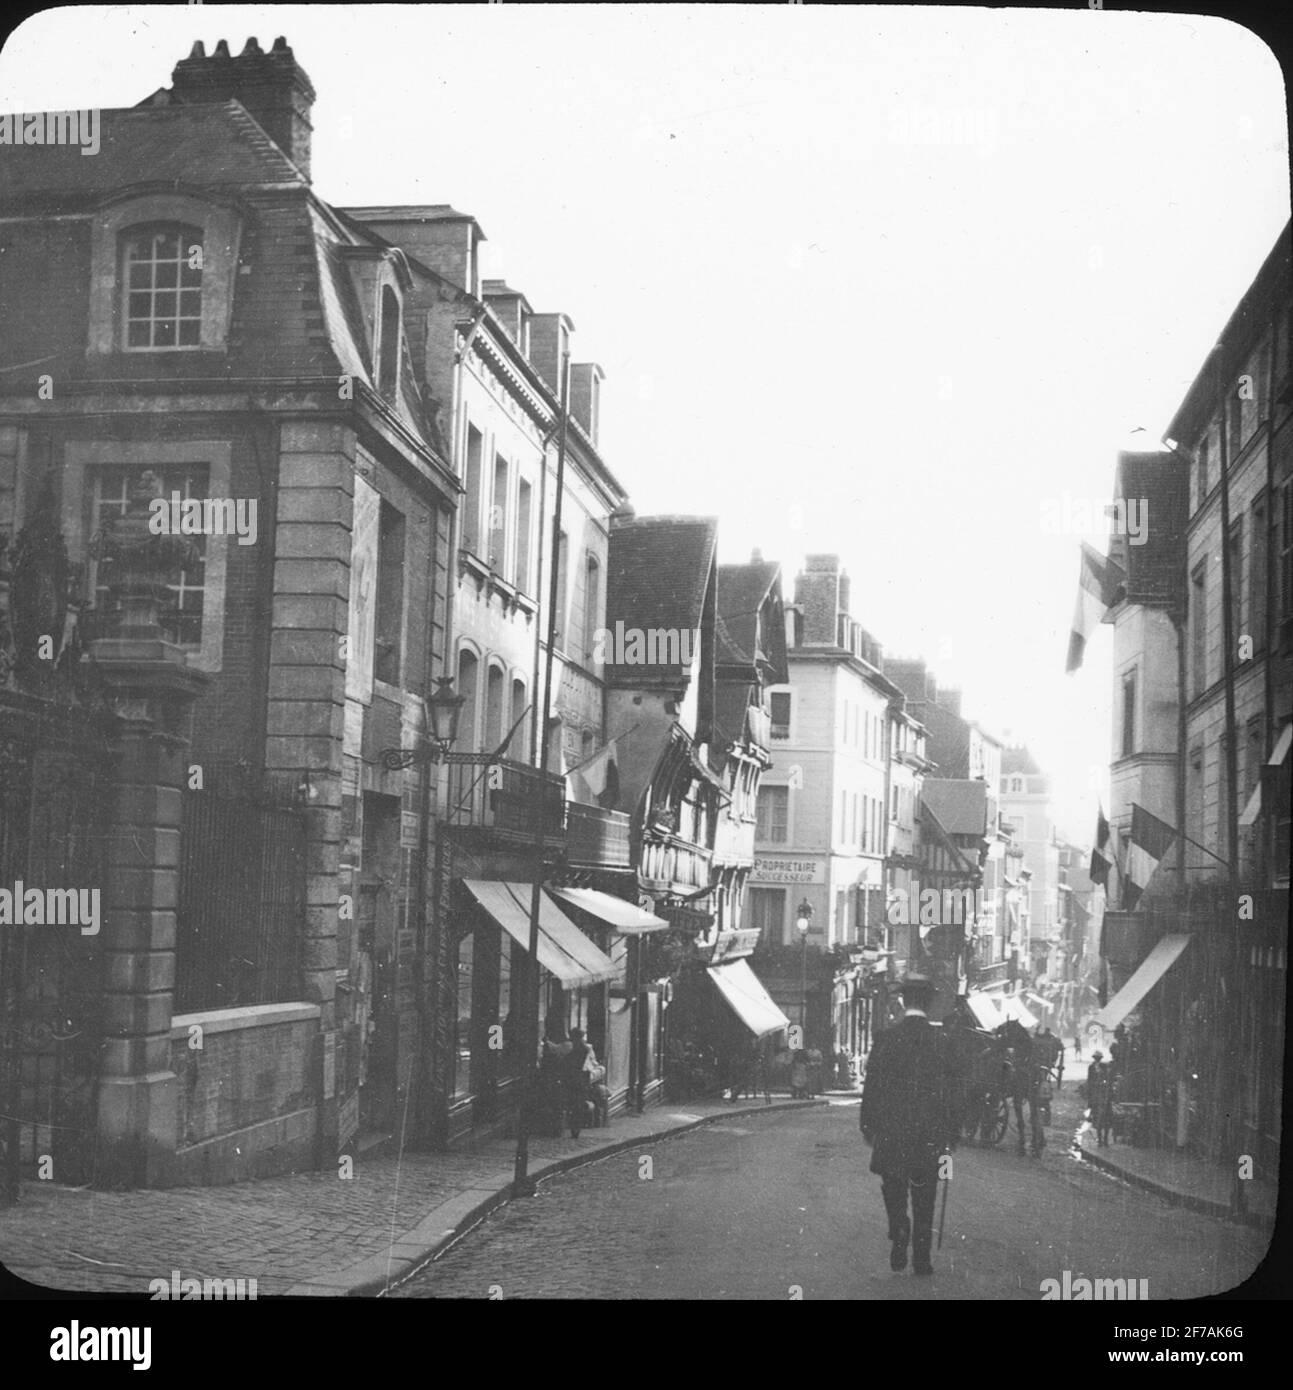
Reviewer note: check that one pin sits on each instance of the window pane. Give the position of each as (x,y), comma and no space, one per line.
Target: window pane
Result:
(164,333)
(190,331)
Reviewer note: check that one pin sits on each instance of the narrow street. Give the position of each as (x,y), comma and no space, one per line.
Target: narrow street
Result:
(766,1205)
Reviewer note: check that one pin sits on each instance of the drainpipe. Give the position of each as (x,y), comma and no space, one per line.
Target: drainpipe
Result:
(430,1122)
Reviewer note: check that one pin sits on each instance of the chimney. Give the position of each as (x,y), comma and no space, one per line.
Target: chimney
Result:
(586,396)
(817,594)
(441,237)
(272,87)
(511,308)
(549,343)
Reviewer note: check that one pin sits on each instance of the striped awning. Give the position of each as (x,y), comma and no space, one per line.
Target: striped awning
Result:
(564,951)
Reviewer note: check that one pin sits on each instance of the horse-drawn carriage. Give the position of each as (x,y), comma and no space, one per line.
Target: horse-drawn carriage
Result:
(1001,1071)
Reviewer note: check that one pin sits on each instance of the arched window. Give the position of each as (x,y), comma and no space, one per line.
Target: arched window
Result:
(468,667)
(388,365)
(592,605)
(494,727)
(520,747)
(162,287)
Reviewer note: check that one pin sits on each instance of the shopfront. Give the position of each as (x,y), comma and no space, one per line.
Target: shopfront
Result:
(491,970)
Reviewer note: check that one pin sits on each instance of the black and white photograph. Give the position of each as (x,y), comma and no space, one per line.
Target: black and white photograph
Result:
(646,654)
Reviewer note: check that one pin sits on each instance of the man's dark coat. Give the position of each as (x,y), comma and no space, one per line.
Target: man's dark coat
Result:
(910,1098)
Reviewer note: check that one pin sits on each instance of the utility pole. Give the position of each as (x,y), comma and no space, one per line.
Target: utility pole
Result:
(522,1183)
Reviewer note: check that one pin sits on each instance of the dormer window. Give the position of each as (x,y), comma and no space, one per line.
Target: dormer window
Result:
(388,361)
(163,288)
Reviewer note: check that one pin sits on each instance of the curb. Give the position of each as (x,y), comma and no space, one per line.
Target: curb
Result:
(451,1220)
(1175,1198)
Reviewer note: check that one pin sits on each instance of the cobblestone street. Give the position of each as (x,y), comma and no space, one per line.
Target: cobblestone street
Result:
(765,1204)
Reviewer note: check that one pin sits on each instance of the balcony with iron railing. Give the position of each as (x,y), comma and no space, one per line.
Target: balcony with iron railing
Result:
(506,798)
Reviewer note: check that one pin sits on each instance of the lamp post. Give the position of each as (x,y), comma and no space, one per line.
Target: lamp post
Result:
(803,920)
(443,709)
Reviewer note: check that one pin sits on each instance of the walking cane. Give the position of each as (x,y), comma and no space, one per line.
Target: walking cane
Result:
(942,1214)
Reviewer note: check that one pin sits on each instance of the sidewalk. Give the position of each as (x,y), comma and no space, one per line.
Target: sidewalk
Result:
(1183,1180)
(304,1233)
(1178,1178)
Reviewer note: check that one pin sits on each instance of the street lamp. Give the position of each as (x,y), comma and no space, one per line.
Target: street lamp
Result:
(443,709)
(803,920)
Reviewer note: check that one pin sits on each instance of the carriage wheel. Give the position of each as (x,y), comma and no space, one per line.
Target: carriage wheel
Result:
(994,1129)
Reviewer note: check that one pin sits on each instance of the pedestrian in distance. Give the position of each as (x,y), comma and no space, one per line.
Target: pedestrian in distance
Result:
(909,1117)
(1099,1094)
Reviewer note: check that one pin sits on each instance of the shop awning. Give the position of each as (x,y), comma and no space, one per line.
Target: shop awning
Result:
(564,950)
(1014,1007)
(751,1003)
(1148,973)
(1281,751)
(984,1008)
(627,918)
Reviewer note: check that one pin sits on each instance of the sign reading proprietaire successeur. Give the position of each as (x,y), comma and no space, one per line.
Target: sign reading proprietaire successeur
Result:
(786,871)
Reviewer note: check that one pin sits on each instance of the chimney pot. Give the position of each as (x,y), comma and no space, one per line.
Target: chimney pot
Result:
(198,50)
(271,87)
(280,45)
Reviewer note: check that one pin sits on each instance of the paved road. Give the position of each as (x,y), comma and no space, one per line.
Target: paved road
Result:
(766,1205)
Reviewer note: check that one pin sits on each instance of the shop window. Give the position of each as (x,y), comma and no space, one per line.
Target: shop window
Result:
(466,983)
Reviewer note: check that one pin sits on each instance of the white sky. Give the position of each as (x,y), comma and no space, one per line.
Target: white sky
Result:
(868,280)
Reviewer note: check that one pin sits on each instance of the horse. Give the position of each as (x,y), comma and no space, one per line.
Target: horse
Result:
(1024,1065)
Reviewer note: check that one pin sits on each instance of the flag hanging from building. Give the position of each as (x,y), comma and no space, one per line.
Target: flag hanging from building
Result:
(1151,838)
(1099,582)
(1101,863)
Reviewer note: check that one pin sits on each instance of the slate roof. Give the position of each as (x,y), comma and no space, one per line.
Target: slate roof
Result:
(961,806)
(742,590)
(658,571)
(202,146)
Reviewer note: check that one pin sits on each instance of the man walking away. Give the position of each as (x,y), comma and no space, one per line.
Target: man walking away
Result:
(909,1117)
